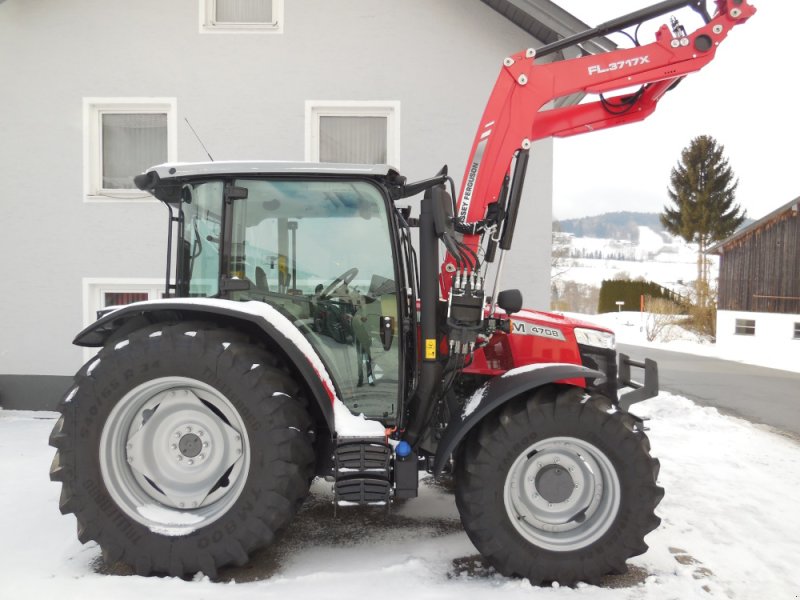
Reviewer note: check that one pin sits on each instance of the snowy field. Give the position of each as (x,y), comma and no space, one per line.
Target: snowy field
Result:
(669,263)
(729,530)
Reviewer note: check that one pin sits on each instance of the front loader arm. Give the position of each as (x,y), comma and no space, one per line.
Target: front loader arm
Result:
(514,118)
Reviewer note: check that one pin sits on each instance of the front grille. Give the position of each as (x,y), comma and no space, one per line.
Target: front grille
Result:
(605,361)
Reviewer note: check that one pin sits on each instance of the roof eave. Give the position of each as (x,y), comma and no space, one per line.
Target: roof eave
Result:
(548,22)
(718,248)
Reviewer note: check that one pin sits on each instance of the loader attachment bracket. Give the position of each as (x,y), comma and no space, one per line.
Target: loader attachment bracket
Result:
(641,390)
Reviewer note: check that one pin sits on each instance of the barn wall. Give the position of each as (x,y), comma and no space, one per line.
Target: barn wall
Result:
(760,271)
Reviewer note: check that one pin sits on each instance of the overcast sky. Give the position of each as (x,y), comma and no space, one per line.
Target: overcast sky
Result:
(746,98)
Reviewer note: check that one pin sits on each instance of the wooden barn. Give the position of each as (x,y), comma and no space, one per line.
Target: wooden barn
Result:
(759,280)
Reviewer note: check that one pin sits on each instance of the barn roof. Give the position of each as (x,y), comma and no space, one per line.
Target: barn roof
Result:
(720,247)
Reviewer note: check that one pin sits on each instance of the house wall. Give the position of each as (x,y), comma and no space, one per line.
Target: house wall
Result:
(245,94)
(775,330)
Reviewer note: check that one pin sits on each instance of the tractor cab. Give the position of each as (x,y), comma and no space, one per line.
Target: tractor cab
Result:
(315,244)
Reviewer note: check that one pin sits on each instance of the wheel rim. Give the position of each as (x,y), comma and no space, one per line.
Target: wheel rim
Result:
(174,454)
(562,494)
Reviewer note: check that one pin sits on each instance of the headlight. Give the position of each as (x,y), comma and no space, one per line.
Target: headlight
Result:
(593,337)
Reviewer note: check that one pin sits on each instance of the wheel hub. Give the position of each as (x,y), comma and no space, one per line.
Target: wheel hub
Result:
(554,484)
(190,445)
(562,493)
(177,442)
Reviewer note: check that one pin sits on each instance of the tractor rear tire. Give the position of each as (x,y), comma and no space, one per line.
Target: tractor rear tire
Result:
(182,448)
(556,488)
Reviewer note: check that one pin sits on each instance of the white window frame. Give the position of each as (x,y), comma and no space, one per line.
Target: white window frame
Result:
(208,10)
(95,287)
(93,111)
(354,108)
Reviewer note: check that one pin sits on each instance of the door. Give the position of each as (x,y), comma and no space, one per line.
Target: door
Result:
(320,251)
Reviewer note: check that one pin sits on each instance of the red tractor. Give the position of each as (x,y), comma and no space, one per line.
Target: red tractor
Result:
(302,334)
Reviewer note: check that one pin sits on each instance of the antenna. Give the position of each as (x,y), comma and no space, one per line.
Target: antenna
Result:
(198,139)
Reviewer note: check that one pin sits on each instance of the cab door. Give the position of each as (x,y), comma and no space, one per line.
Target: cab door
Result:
(321,252)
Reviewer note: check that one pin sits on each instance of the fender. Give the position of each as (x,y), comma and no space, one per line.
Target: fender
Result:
(498,391)
(256,314)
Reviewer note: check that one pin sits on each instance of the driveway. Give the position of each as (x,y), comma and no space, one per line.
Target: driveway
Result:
(758,394)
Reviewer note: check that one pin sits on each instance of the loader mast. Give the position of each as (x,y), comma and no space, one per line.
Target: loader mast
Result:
(515,114)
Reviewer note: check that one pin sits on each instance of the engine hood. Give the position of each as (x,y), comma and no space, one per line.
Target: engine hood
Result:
(554,319)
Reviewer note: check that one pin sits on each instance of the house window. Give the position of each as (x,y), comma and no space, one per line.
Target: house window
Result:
(122,138)
(797,331)
(745,327)
(353,132)
(241,16)
(123,298)
(103,293)
(100,293)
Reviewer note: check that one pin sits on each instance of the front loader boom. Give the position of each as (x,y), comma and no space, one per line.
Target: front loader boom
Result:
(514,115)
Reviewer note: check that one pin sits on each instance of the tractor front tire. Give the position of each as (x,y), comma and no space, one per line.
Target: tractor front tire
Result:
(181,449)
(558,488)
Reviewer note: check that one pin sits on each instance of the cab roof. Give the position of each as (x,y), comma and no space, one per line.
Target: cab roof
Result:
(163,181)
(266,167)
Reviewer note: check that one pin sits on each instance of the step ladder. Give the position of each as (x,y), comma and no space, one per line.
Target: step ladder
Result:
(362,472)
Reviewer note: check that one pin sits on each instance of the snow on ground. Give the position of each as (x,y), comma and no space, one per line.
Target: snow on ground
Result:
(676,274)
(729,524)
(630,328)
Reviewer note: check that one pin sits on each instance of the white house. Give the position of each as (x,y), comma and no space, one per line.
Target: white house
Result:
(95,91)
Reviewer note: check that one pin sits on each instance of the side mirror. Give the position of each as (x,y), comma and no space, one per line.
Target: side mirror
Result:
(442,210)
(510,301)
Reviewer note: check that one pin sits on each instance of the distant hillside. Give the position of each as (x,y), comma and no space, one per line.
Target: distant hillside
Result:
(615,225)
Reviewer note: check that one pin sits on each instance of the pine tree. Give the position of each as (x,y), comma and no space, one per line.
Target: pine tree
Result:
(703,190)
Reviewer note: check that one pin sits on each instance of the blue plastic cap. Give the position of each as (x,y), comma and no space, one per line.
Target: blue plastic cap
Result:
(402,449)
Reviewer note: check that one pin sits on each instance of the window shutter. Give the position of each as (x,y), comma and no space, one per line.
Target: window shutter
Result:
(243,11)
(122,298)
(359,140)
(131,144)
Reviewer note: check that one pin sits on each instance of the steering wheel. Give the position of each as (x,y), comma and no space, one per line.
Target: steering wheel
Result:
(343,279)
